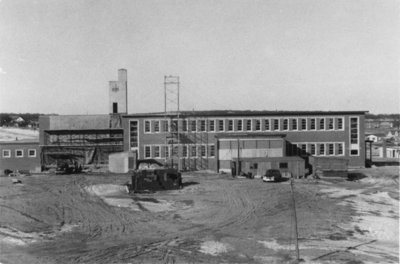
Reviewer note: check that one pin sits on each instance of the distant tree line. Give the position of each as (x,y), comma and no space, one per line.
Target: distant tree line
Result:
(11,119)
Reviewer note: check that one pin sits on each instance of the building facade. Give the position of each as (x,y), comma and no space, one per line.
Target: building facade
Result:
(19,155)
(194,140)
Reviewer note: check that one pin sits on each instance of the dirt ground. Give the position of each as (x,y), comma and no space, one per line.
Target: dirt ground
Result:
(215,218)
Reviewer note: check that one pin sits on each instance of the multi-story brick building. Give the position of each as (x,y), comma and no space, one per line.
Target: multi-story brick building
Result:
(205,139)
(199,139)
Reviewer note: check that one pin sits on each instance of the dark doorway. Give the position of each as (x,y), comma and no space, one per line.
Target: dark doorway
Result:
(115,108)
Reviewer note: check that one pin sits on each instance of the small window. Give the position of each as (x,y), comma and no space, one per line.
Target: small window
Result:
(312,149)
(283,165)
(321,149)
(267,125)
(340,123)
(212,151)
(354,152)
(19,153)
(221,126)
(331,149)
(239,125)
(203,152)
(330,123)
(147,126)
(157,126)
(184,151)
(255,166)
(285,124)
(258,124)
(340,149)
(312,124)
(32,153)
(294,124)
(184,125)
(193,125)
(6,153)
(248,125)
(193,152)
(165,126)
(230,125)
(212,125)
(322,124)
(202,125)
(156,151)
(303,124)
(147,151)
(276,124)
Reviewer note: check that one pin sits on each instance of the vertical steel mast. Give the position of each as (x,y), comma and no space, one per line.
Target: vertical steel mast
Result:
(172,117)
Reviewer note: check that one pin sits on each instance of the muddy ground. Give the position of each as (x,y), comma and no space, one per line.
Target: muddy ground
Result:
(215,218)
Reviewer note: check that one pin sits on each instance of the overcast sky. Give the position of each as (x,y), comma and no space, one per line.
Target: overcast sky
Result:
(58,56)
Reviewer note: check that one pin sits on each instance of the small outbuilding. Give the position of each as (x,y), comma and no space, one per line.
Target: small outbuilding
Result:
(23,156)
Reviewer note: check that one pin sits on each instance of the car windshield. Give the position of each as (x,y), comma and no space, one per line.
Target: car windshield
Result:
(272,172)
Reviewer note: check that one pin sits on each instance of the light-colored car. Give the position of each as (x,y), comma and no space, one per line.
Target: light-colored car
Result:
(272,176)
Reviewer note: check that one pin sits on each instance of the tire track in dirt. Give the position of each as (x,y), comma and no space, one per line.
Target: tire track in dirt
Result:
(23,214)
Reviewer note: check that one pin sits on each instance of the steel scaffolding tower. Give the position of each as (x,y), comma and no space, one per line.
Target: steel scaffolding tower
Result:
(171,110)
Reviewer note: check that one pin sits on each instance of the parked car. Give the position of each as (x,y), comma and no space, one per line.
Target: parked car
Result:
(272,176)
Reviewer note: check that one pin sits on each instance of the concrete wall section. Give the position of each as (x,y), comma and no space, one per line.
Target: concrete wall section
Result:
(74,122)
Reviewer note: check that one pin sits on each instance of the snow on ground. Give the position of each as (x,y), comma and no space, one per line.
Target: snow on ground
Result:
(12,134)
(214,248)
(377,218)
(116,195)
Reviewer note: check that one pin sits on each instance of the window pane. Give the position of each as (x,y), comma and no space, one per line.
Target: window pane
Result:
(230,125)
(258,124)
(294,124)
(212,125)
(157,126)
(147,126)
(248,125)
(312,123)
(285,124)
(239,125)
(267,125)
(340,123)
(276,124)
(221,125)
(322,124)
(303,124)
(321,149)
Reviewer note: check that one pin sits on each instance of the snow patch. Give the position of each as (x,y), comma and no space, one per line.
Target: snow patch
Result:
(214,248)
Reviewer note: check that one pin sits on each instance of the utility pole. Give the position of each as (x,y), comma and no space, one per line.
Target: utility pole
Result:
(238,157)
(295,223)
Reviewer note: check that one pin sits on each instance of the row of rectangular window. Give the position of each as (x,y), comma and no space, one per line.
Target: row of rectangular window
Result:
(19,153)
(321,149)
(193,151)
(249,125)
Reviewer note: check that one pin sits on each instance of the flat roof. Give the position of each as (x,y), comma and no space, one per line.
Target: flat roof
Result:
(215,113)
(19,142)
(250,135)
(82,131)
